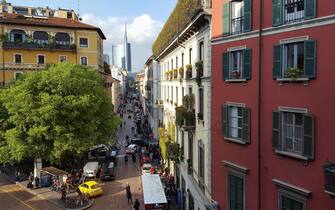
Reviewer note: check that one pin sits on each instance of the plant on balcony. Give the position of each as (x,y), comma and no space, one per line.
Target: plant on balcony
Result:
(181,72)
(293,73)
(200,71)
(180,79)
(235,74)
(180,111)
(5,37)
(52,41)
(175,73)
(173,151)
(189,118)
(188,71)
(188,102)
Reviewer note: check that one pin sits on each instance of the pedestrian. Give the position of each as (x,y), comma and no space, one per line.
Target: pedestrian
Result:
(136,205)
(128,192)
(125,159)
(17,176)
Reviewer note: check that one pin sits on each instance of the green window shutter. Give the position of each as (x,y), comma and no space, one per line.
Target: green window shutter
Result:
(246,125)
(239,193)
(225,65)
(226,18)
(224,114)
(277,61)
(232,192)
(310,59)
(247,15)
(309,136)
(310,9)
(247,54)
(276,141)
(277,12)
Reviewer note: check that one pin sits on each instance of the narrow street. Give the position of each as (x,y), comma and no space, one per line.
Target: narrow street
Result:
(114,196)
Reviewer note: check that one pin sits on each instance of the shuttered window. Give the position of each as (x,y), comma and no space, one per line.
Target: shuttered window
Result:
(288,11)
(237,16)
(235,192)
(236,65)
(236,123)
(288,203)
(295,60)
(293,133)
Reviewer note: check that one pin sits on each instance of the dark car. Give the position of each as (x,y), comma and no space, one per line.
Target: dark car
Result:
(139,142)
(108,171)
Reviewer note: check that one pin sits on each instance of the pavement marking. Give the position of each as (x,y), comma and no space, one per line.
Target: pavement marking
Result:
(18,199)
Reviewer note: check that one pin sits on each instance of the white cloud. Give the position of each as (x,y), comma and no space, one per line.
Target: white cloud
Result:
(142,31)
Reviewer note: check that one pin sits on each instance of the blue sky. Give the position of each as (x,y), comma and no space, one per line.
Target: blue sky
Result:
(144,18)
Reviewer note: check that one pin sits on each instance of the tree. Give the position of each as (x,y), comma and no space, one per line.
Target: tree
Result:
(49,114)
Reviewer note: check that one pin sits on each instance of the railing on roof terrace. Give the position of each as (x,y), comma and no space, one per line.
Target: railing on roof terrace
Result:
(26,45)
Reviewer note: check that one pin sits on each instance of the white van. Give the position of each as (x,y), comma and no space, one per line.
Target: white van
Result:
(91,169)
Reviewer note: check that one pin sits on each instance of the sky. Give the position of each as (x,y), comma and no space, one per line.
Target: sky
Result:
(144,18)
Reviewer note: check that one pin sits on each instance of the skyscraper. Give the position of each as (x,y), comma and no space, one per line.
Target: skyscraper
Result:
(121,54)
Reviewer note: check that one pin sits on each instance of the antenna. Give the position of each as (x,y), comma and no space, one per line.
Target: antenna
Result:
(78,4)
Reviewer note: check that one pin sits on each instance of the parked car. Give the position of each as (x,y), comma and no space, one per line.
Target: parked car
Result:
(90,189)
(131,149)
(98,151)
(140,142)
(146,168)
(91,169)
(108,171)
(112,157)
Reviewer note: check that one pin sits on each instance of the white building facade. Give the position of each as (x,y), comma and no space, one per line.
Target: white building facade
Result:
(185,74)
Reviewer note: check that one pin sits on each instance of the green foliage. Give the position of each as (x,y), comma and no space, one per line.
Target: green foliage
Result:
(62,110)
(188,71)
(179,18)
(188,101)
(173,151)
(180,115)
(294,73)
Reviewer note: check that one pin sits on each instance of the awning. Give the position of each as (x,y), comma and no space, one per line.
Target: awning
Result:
(54,171)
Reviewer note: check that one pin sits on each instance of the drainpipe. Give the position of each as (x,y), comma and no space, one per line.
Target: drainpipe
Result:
(260,104)
(3,60)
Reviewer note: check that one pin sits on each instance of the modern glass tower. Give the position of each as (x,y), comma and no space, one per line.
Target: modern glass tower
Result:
(121,54)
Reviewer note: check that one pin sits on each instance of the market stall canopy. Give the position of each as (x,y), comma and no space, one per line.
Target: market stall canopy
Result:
(153,190)
(54,171)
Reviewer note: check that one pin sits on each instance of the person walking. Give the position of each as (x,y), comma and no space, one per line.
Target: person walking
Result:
(128,192)
(136,205)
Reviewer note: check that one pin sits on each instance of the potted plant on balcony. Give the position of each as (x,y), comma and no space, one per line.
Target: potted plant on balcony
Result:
(175,73)
(188,71)
(235,74)
(180,112)
(293,73)
(181,72)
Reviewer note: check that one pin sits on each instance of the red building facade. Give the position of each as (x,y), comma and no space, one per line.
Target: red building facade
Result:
(272,146)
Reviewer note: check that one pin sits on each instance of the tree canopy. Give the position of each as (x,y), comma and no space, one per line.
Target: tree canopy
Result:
(47,114)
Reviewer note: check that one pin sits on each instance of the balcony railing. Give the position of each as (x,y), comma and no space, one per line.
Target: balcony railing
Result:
(293,10)
(26,45)
(189,121)
(237,25)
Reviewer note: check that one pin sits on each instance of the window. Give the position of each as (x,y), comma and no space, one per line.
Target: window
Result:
(69,15)
(190,148)
(182,59)
(17,75)
(295,60)
(190,56)
(288,11)
(62,58)
(287,202)
(190,90)
(201,104)
(236,123)
(171,63)
(62,38)
(83,61)
(293,133)
(201,165)
(183,143)
(201,50)
(177,96)
(182,92)
(83,42)
(41,59)
(237,17)
(235,192)
(17,58)
(237,65)
(176,62)
(171,94)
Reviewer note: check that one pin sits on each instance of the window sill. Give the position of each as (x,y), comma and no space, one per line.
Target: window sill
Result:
(291,155)
(330,193)
(235,140)
(292,80)
(236,80)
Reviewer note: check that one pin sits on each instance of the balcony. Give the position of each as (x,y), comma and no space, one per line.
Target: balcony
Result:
(329,171)
(36,46)
(189,121)
(23,66)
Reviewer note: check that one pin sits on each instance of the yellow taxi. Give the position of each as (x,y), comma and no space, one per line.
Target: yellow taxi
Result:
(90,189)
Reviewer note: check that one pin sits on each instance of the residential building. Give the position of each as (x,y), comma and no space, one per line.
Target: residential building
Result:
(271,81)
(119,90)
(184,56)
(34,37)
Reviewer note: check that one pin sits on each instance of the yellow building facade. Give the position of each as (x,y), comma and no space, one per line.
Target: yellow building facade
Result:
(31,42)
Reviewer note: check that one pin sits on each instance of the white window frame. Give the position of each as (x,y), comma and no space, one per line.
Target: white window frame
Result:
(14,60)
(236,30)
(17,72)
(81,60)
(37,59)
(285,54)
(60,56)
(230,107)
(289,17)
(239,61)
(88,42)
